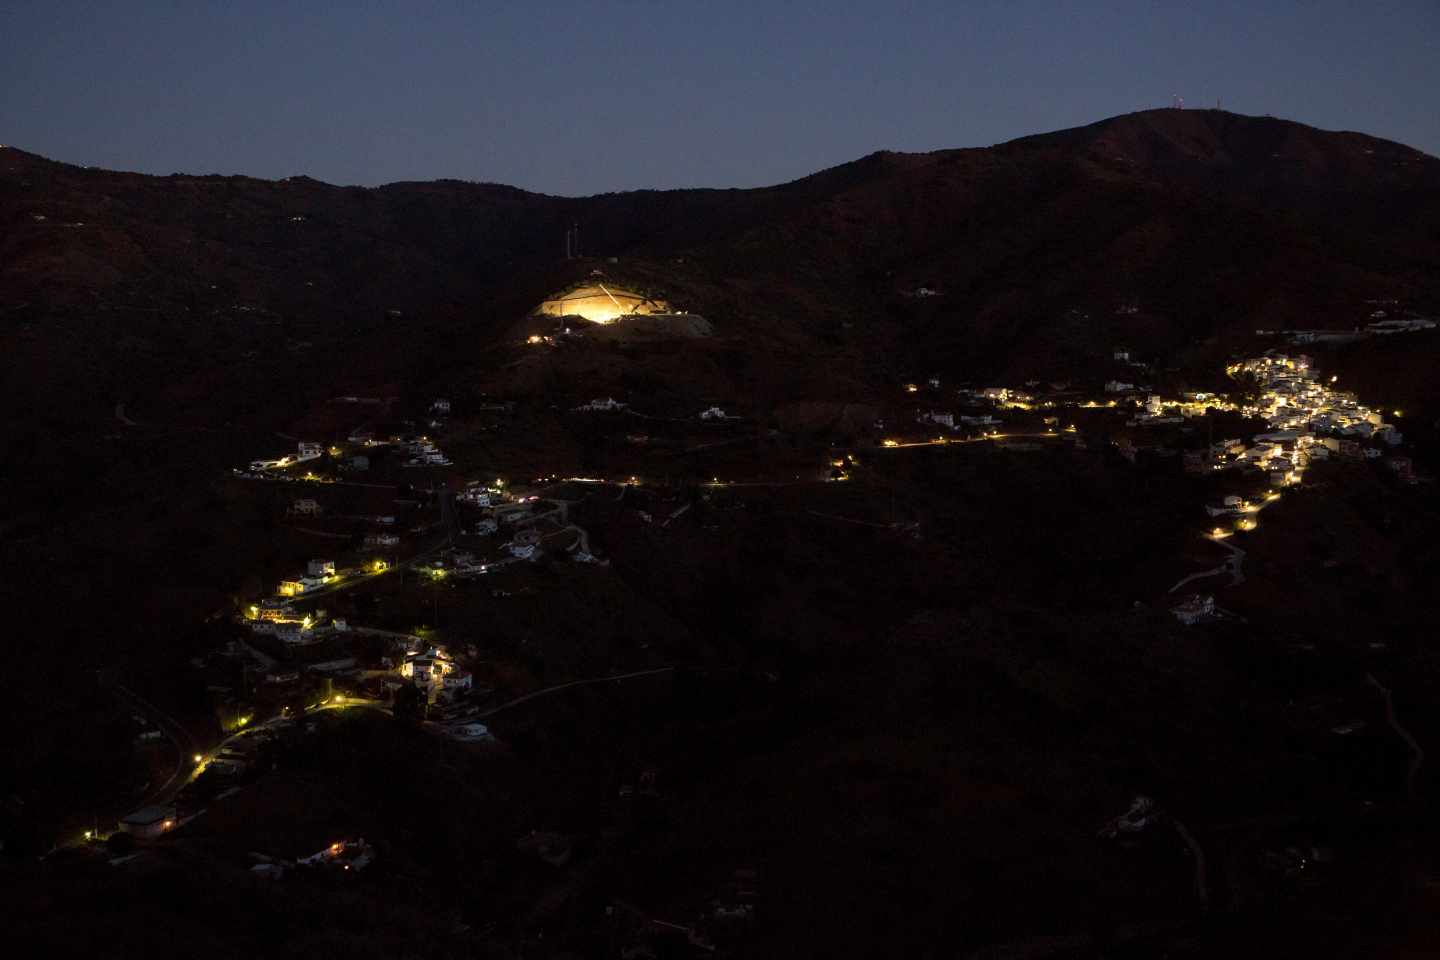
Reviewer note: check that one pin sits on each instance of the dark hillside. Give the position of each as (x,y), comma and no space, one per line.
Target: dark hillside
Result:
(902,706)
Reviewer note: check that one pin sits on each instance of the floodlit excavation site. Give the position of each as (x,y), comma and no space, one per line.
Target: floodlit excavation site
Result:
(616,312)
(601,303)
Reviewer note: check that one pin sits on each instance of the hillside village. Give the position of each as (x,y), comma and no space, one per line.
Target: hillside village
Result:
(296,655)
(488,571)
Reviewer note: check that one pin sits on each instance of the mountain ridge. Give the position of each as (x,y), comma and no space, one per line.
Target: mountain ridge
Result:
(1198,223)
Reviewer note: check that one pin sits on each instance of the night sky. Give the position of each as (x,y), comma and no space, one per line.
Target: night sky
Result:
(572,97)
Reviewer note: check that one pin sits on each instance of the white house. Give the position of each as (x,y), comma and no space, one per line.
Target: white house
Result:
(456,681)
(348,855)
(1194,610)
(320,568)
(471,732)
(1117,386)
(486,527)
(148,822)
(278,611)
(309,451)
(294,633)
(306,507)
(713,413)
(522,552)
(430,667)
(440,406)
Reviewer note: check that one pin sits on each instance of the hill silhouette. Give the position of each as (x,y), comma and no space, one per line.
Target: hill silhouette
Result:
(1196,222)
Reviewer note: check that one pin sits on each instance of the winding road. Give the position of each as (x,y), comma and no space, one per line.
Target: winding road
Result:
(184,746)
(1417,752)
(547,691)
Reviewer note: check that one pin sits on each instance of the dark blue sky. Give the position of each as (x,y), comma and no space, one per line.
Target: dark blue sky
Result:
(571,97)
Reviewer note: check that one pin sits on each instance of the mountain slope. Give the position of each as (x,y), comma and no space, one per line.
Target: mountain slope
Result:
(1159,229)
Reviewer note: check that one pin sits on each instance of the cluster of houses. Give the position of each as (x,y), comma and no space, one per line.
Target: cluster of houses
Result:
(601,405)
(305,450)
(998,397)
(480,494)
(431,669)
(277,618)
(318,573)
(345,855)
(1310,421)
(424,453)
(1155,410)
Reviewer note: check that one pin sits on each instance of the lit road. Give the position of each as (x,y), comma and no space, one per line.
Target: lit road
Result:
(1234,565)
(348,702)
(947,442)
(1417,752)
